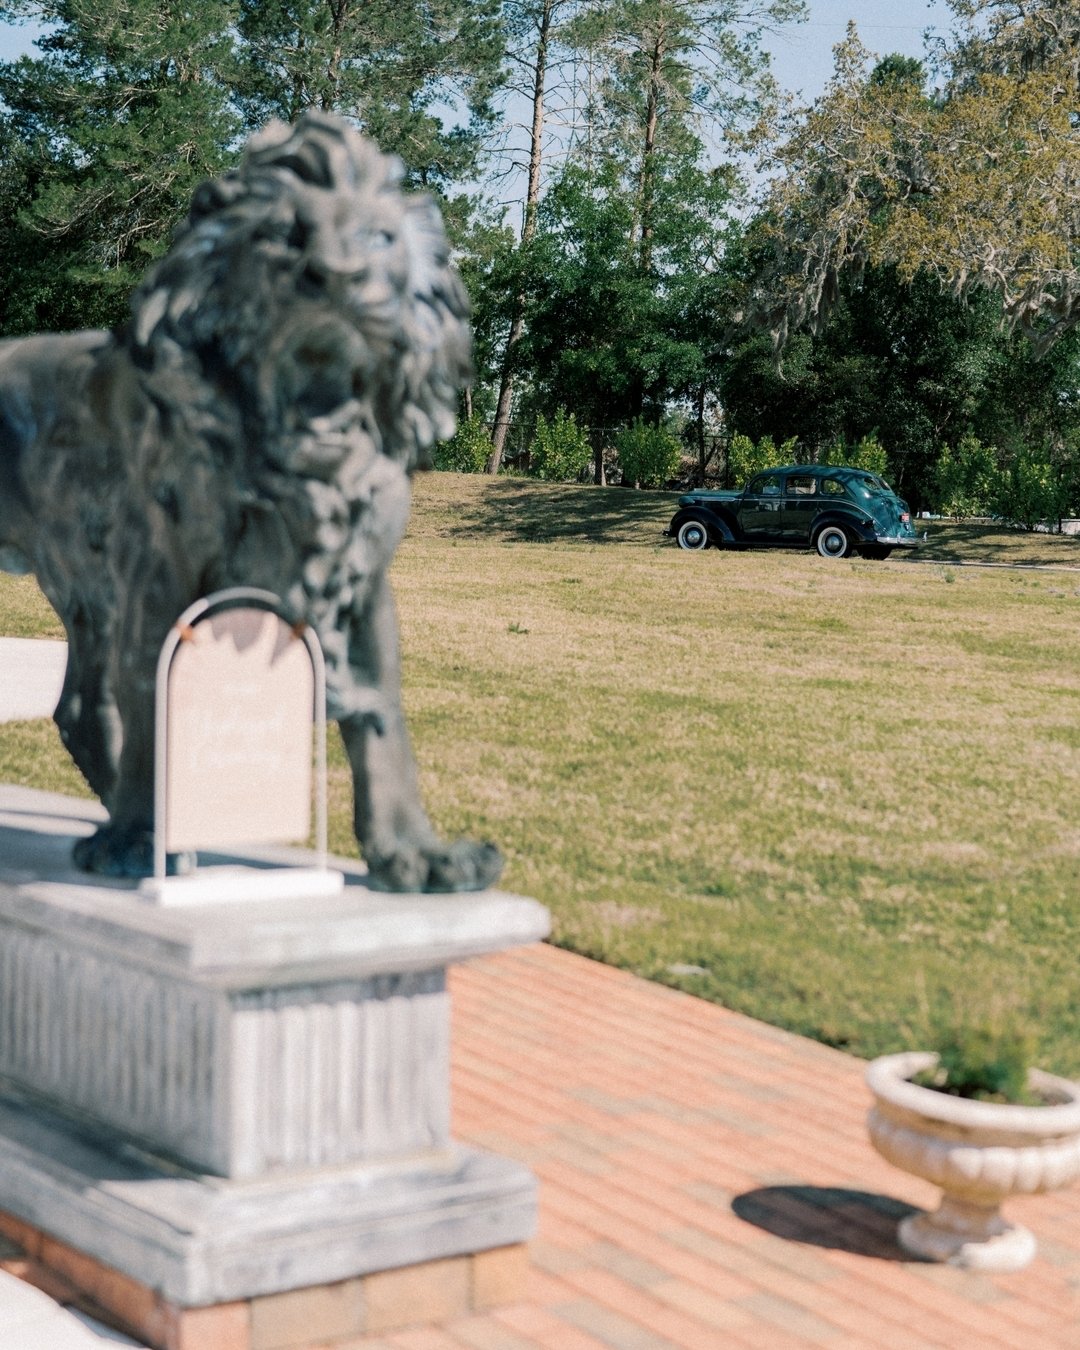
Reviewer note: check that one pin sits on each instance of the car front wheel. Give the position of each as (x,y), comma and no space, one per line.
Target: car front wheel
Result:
(692,534)
(833,542)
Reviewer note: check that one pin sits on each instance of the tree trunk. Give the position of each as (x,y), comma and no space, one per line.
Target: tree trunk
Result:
(528,230)
(646,182)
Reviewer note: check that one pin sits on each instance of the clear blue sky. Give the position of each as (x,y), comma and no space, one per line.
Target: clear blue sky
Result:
(802,57)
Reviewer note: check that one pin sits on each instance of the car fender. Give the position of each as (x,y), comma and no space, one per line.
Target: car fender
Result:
(865,529)
(719,530)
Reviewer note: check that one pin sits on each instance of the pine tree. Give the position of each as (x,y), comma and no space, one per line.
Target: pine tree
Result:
(538,51)
(104,137)
(418,76)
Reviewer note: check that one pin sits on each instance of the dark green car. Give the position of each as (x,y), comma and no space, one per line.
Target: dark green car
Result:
(837,510)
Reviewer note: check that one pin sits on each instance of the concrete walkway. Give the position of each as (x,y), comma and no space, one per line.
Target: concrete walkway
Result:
(31,676)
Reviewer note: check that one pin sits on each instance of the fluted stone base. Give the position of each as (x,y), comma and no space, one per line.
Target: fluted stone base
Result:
(224,1101)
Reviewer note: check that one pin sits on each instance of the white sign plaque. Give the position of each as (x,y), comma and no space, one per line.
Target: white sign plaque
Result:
(241,701)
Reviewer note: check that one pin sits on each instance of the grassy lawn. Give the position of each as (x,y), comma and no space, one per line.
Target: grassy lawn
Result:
(838,796)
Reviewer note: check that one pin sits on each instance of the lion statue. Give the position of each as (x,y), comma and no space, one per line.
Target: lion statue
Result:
(286,367)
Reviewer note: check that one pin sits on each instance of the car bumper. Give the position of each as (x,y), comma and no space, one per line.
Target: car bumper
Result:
(900,540)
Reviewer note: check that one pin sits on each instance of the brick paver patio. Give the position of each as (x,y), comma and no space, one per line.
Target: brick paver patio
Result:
(706,1181)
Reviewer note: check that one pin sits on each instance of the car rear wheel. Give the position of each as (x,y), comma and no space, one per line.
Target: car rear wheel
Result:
(832,542)
(692,534)
(878,551)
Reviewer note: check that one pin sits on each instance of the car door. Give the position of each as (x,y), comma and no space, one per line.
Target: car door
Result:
(801,505)
(761,508)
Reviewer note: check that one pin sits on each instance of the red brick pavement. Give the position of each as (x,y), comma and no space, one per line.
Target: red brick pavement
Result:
(706,1182)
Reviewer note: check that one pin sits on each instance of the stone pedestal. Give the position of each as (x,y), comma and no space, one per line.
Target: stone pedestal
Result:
(227,1103)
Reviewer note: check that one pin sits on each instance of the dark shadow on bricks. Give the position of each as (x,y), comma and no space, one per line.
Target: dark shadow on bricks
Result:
(828,1216)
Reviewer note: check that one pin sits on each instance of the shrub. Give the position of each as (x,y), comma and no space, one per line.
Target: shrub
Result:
(868,454)
(1030,490)
(468,450)
(985,1062)
(966,478)
(560,450)
(744,458)
(649,455)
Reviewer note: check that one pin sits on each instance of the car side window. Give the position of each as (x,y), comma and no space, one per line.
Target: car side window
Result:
(765,485)
(832,487)
(800,486)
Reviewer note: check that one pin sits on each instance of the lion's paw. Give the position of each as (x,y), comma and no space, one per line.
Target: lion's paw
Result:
(461,866)
(124,851)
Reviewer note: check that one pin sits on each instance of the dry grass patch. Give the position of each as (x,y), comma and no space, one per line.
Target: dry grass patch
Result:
(24,611)
(807,789)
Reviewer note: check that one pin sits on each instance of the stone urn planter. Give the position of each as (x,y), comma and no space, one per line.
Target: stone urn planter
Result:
(979,1153)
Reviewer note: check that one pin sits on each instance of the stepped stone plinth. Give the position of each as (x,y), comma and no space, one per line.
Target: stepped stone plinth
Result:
(227,1103)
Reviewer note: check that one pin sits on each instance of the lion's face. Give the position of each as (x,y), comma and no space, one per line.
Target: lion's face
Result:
(311,278)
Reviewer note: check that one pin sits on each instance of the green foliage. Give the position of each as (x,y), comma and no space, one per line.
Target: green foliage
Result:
(389,67)
(468,450)
(912,366)
(107,132)
(1029,490)
(867,453)
(987,1061)
(605,335)
(105,135)
(744,458)
(966,478)
(487,259)
(649,455)
(560,450)
(977,185)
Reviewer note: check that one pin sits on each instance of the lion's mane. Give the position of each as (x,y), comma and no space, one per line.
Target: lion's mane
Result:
(307,338)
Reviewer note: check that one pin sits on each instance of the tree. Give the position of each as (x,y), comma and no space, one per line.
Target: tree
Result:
(393,66)
(592,316)
(673,67)
(648,455)
(536,29)
(605,337)
(978,186)
(132,103)
(103,138)
(914,365)
(667,67)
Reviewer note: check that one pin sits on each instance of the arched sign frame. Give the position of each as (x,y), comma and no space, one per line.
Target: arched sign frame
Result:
(234,597)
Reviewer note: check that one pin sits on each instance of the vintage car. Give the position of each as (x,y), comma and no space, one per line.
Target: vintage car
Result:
(834,509)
